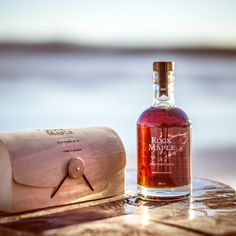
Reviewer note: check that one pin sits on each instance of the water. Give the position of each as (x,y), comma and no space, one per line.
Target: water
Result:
(54,90)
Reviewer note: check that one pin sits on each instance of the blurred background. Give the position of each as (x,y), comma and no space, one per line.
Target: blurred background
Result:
(80,63)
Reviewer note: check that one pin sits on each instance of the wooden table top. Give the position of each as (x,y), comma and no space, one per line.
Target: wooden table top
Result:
(211,210)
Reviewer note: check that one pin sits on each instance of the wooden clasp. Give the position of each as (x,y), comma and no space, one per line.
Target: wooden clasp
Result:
(76,168)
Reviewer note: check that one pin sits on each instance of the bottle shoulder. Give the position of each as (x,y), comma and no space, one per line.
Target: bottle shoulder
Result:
(159,116)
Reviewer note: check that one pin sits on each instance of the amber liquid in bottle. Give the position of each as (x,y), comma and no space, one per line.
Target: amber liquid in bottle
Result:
(164,142)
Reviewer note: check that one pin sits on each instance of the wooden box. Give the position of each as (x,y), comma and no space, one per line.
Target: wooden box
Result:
(54,167)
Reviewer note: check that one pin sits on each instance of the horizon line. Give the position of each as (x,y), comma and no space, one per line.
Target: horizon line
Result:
(64,46)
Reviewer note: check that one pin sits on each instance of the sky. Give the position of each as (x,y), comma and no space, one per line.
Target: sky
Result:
(209,23)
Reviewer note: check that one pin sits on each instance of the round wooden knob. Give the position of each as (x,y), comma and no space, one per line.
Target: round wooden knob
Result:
(76,168)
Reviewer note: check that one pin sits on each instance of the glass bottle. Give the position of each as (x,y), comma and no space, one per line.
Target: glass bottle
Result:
(164,142)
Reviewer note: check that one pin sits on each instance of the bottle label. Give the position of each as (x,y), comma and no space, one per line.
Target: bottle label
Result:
(167,157)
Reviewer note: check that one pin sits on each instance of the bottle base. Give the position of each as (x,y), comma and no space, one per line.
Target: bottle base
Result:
(157,194)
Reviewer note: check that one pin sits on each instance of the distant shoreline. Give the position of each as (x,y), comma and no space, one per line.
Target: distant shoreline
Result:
(55,47)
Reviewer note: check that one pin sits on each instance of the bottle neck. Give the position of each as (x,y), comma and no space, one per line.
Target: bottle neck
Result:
(163,90)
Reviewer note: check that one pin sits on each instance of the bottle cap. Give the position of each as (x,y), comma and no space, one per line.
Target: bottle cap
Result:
(162,75)
(162,66)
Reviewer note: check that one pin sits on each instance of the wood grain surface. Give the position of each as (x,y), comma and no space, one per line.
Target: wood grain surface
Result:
(38,168)
(211,210)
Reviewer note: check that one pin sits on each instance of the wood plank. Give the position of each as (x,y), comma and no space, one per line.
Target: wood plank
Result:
(210,211)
